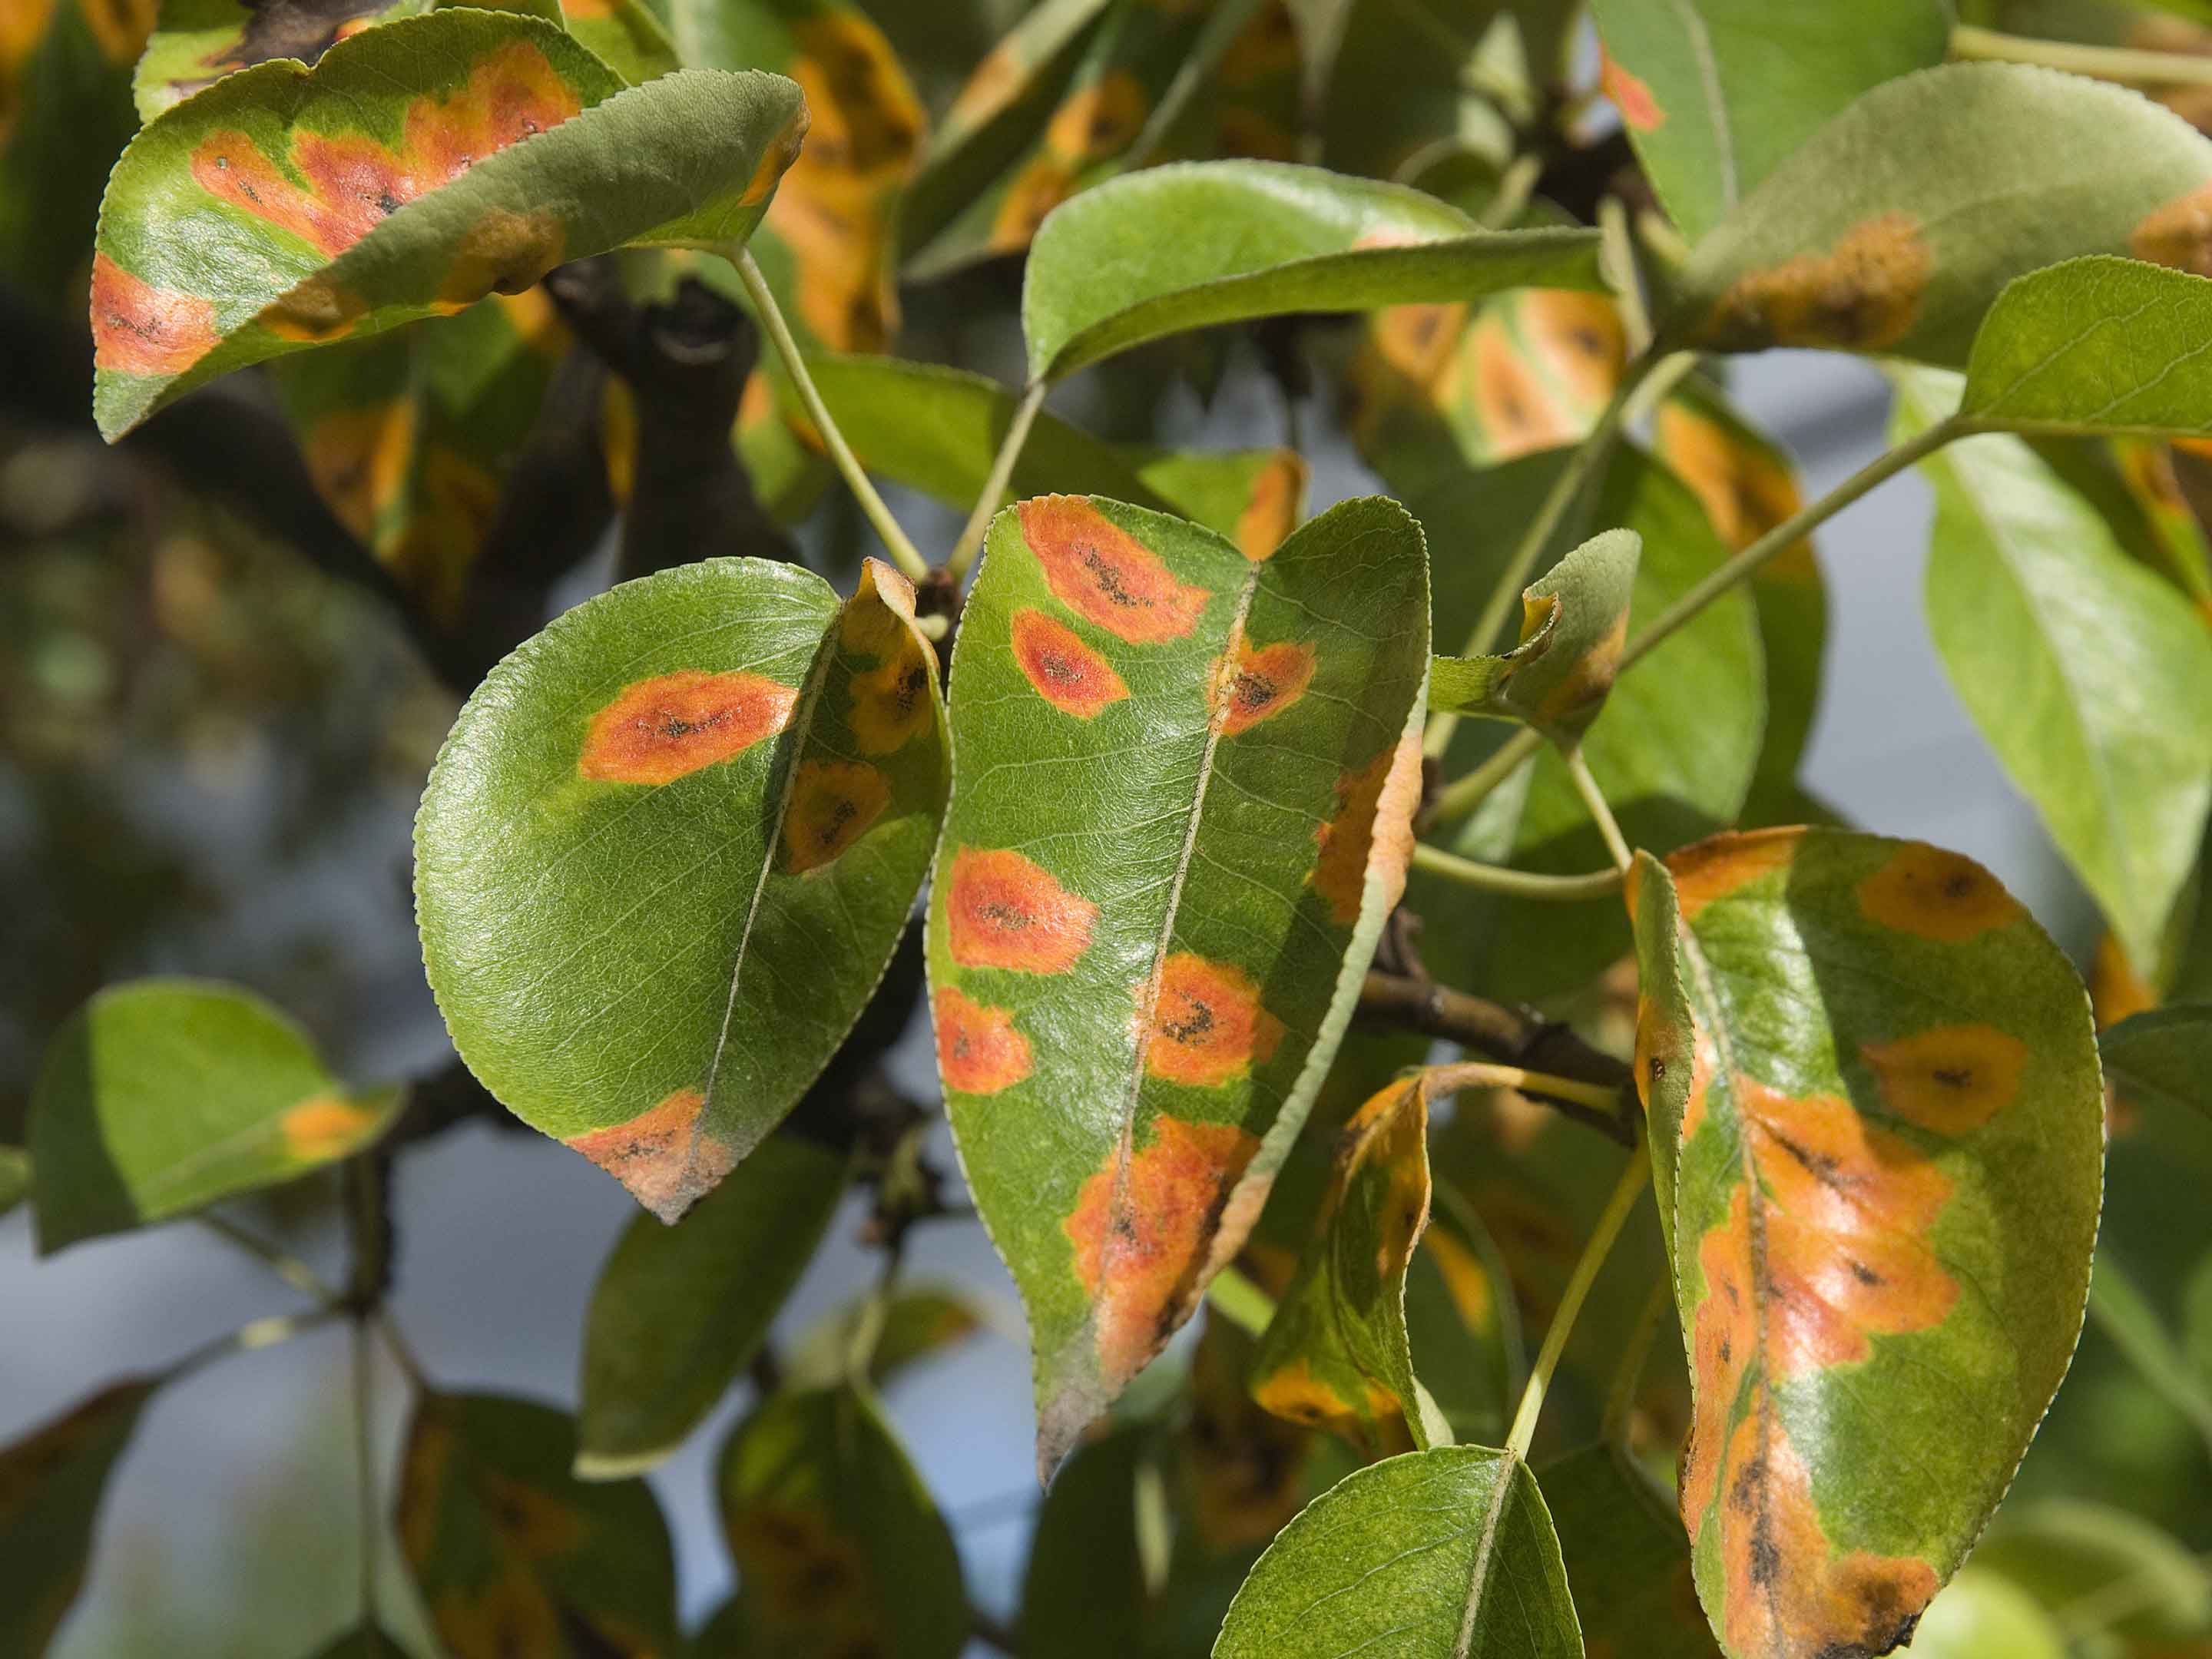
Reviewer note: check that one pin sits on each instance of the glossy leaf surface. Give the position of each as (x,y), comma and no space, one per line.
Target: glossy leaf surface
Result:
(1444,1552)
(1184,247)
(1888,1180)
(51,1484)
(2090,678)
(1183,786)
(1714,93)
(1626,1559)
(1336,1354)
(667,852)
(1893,227)
(513,1554)
(2163,1056)
(418,168)
(679,1311)
(840,1548)
(160,1096)
(1574,624)
(2099,344)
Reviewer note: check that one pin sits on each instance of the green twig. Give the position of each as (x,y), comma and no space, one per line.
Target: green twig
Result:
(287,1267)
(1462,796)
(1626,1192)
(1616,255)
(1593,798)
(1441,1080)
(2168,68)
(364,1470)
(1240,1301)
(252,1337)
(994,487)
(794,361)
(1517,884)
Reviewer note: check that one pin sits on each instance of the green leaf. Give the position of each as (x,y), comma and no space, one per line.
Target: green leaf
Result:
(408,436)
(2162,1057)
(1980,1614)
(1183,785)
(2099,344)
(1889,1171)
(679,1311)
(512,1553)
(1463,1322)
(1748,485)
(438,159)
(162,1095)
(668,850)
(1336,1354)
(1893,227)
(2065,1553)
(2128,1316)
(1448,1552)
(364,1641)
(919,1324)
(65,116)
(1185,246)
(1084,1590)
(51,1484)
(628,36)
(2088,674)
(1625,1557)
(840,1548)
(1715,94)
(1574,624)
(1399,77)
(14,1177)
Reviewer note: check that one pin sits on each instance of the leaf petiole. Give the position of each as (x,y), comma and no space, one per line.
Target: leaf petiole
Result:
(1519,883)
(894,538)
(2127,64)
(1002,471)
(1594,798)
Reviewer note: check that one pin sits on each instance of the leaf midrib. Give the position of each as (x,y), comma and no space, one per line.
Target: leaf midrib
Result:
(1508,1464)
(1708,79)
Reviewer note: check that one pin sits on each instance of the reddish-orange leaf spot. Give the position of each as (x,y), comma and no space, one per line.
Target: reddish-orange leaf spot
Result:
(658,730)
(1723,867)
(1629,95)
(979,1052)
(1723,1344)
(1143,1228)
(502,253)
(832,804)
(1264,683)
(660,1155)
(1106,576)
(1745,492)
(1066,673)
(2178,234)
(1099,121)
(1951,1080)
(1037,189)
(1579,336)
(1660,1050)
(1517,414)
(891,703)
(1371,836)
(1003,911)
(1934,895)
(1207,1026)
(1864,295)
(776,159)
(1271,513)
(139,329)
(323,1127)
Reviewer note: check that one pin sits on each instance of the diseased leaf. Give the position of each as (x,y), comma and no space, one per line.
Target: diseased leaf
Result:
(1180,816)
(1336,1354)
(628,36)
(1574,625)
(162,1095)
(1398,77)
(839,1547)
(1887,1193)
(1083,1591)
(1463,1322)
(1448,1552)
(1715,94)
(2089,677)
(1748,485)
(418,166)
(1184,247)
(2162,1057)
(1893,227)
(679,1311)
(2102,344)
(51,1486)
(825,246)
(667,851)
(1626,1559)
(513,1554)
(919,1324)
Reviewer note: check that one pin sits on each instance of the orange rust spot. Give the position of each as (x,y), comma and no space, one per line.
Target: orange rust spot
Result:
(1246,1467)
(1659,1051)
(2116,989)
(1864,295)
(1297,1392)
(1206,1026)
(1723,1343)
(660,1154)
(895,700)
(815,1586)
(1099,121)
(996,78)
(776,159)
(1591,678)
(455,503)
(354,182)
(121,27)
(1066,672)
(1745,492)
(1264,683)
(1372,833)
(2178,234)
(508,1612)
(978,1051)
(832,803)
(139,329)
(1516,414)
(358,458)
(1418,340)
(880,613)
(1037,189)
(1579,336)
(1278,492)
(1106,576)
(314,311)
(503,252)
(1951,1080)
(323,1127)
(1629,95)
(1143,1226)
(1265,47)
(1931,894)
(658,730)
(1003,911)
(1724,865)
(1466,1281)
